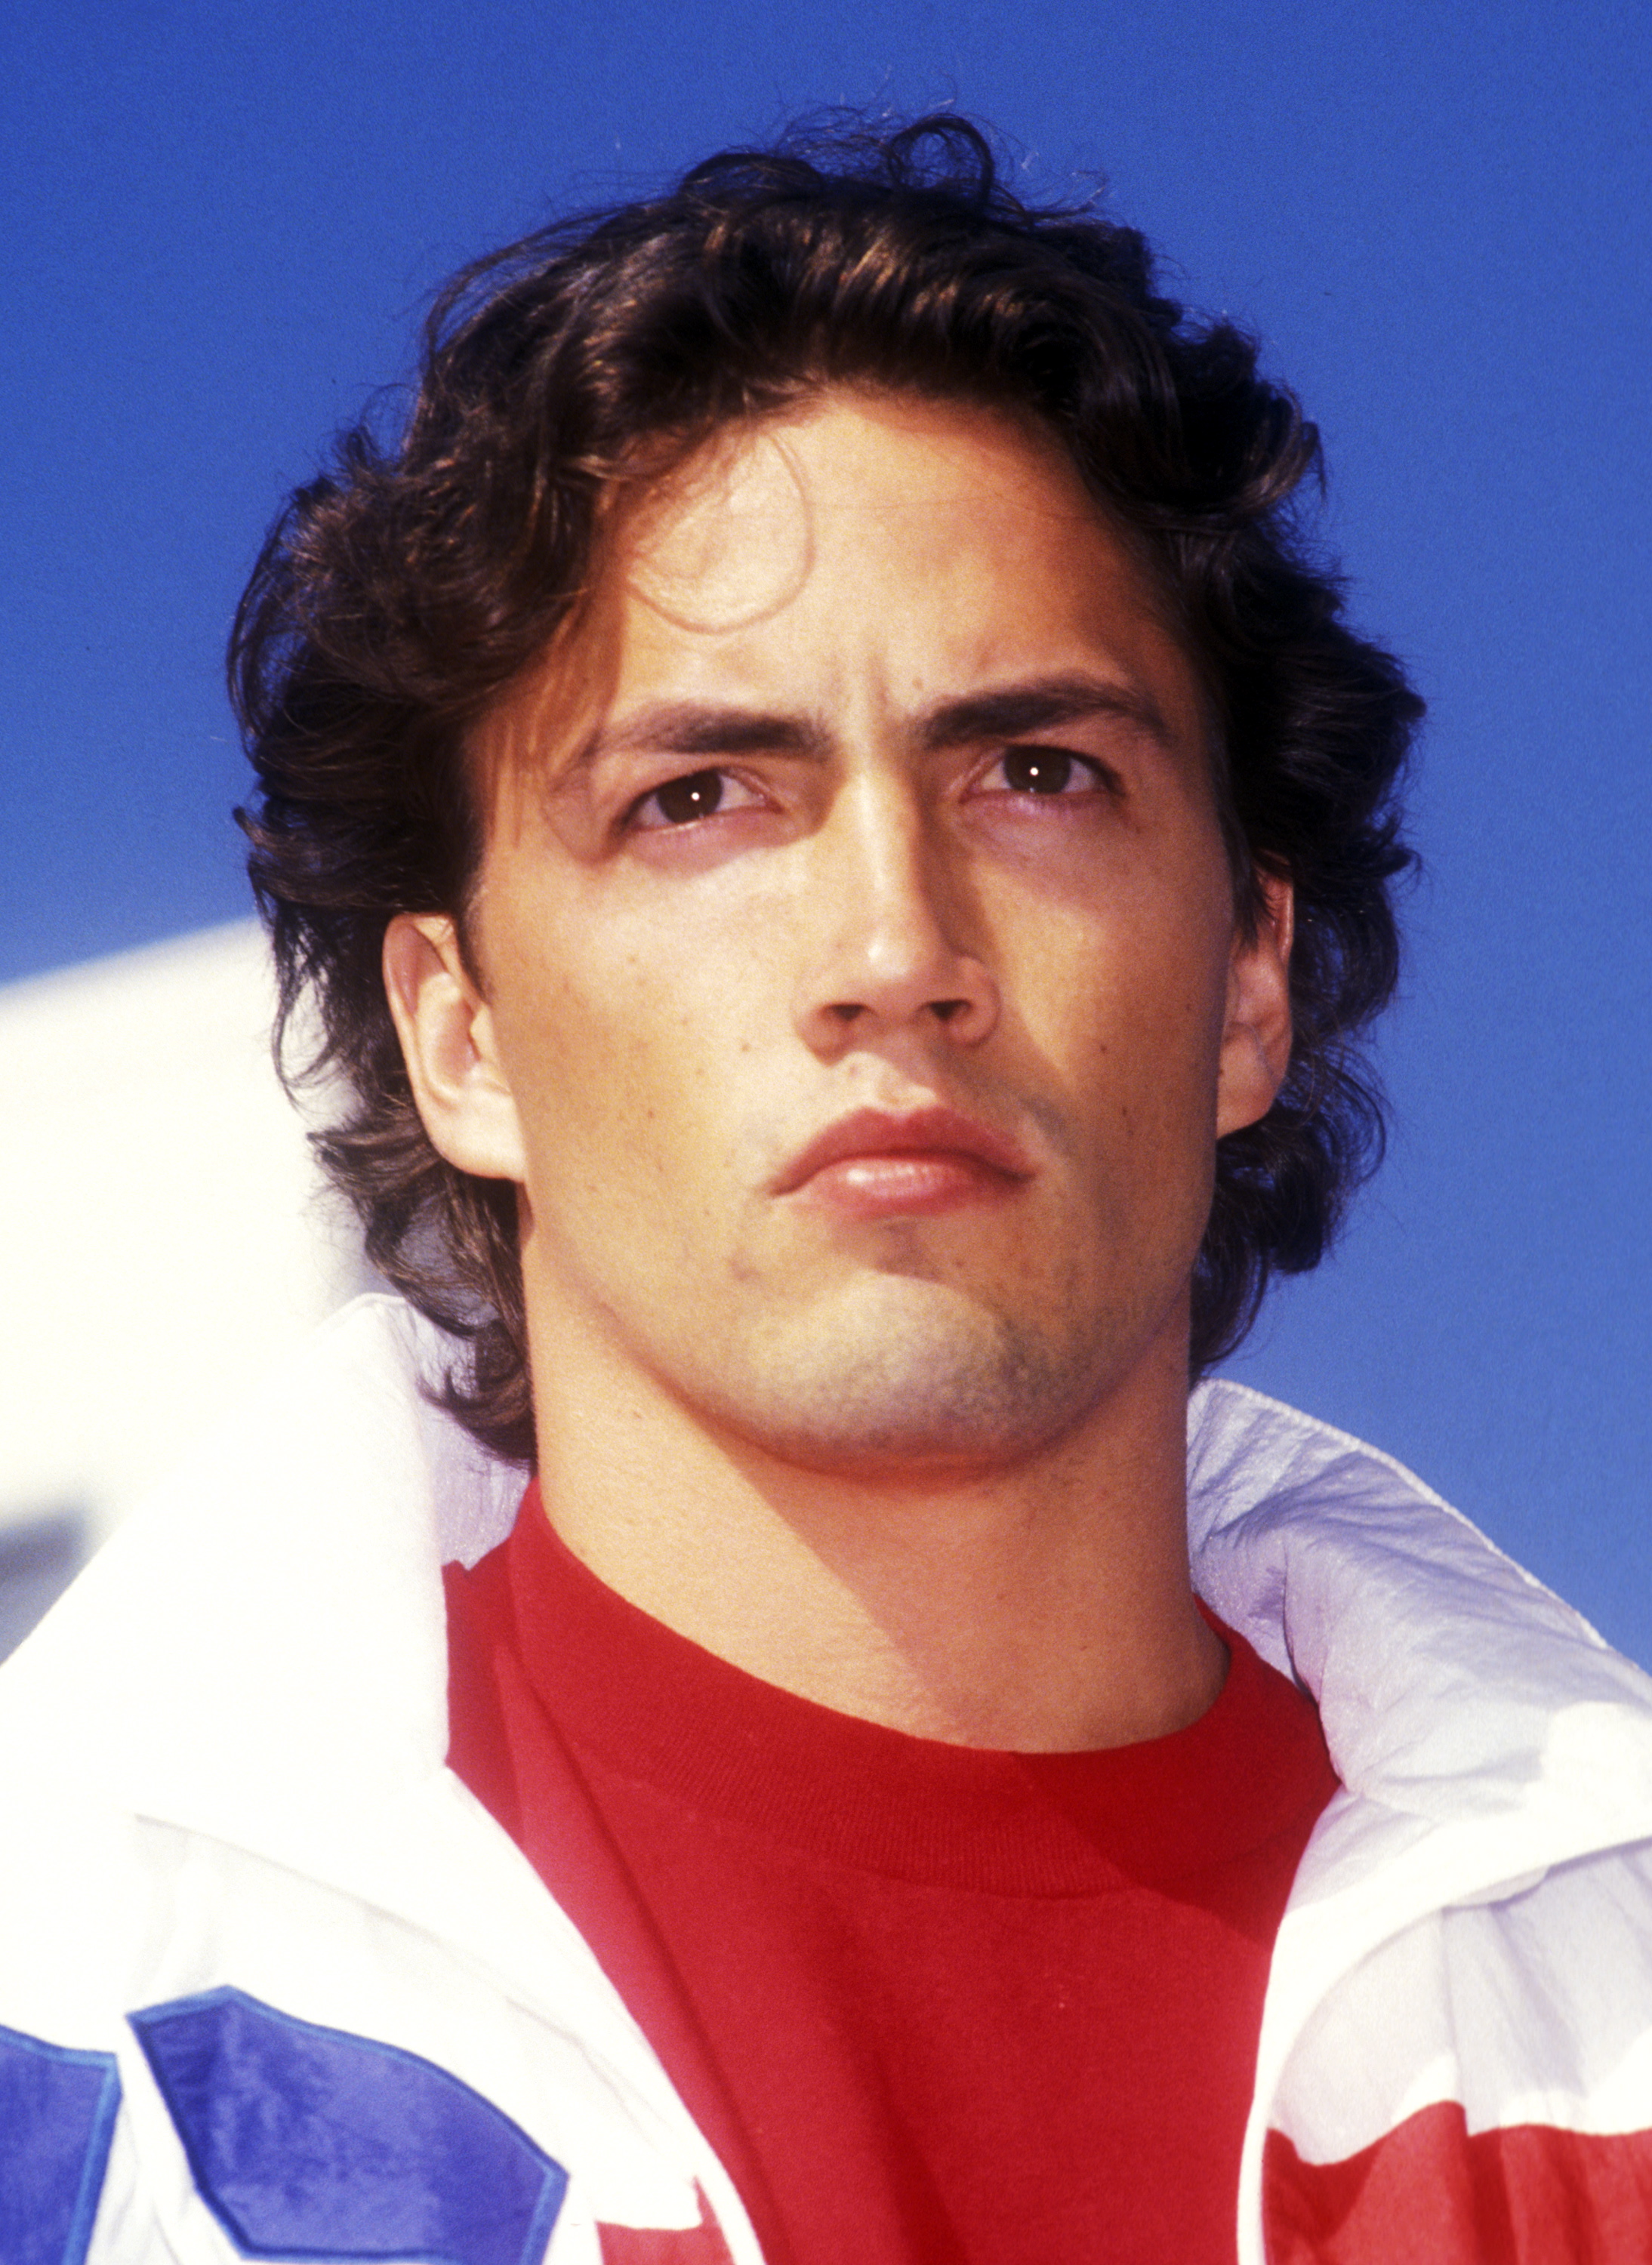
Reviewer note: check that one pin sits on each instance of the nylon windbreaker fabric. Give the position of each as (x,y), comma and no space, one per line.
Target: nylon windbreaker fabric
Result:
(273,1982)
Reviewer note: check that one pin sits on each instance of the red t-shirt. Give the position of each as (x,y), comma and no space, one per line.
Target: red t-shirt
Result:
(929,2003)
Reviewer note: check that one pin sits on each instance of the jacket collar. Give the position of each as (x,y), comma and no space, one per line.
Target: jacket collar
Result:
(1457,1695)
(1484,1732)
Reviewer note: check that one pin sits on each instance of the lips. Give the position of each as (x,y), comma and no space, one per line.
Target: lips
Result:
(944,1135)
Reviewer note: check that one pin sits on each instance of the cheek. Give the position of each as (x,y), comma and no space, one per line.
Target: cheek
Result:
(605,1045)
(1129,999)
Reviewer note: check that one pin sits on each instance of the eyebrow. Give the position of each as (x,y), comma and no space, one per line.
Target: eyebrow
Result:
(695,728)
(1045,702)
(692,727)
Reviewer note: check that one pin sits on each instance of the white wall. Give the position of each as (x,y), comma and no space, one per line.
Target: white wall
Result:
(162,1232)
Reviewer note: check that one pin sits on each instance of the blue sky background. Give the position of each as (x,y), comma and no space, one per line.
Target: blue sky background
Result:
(224,222)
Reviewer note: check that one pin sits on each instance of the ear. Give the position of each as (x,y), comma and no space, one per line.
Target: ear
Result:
(446,1028)
(1256,1034)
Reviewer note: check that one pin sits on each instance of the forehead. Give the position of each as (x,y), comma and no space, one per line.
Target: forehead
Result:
(863,552)
(733,533)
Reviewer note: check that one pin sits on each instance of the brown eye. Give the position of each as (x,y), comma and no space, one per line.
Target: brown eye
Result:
(1041,770)
(681,800)
(677,802)
(695,796)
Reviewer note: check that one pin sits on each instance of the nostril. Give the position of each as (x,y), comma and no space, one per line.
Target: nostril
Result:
(846,1009)
(944,1010)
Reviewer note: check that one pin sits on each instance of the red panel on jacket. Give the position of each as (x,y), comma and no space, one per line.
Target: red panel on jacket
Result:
(928,2004)
(1431,2192)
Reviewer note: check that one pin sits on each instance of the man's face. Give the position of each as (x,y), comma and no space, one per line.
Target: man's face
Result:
(858,949)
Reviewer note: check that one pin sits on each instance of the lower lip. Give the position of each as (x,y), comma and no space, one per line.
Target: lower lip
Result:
(914,1183)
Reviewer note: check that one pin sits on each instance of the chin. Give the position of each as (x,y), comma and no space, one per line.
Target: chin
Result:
(917,1398)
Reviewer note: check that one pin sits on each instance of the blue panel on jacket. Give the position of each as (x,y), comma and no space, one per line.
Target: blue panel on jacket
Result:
(57,2111)
(310,2143)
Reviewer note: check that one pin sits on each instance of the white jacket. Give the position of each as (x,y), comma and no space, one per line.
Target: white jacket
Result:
(227,1813)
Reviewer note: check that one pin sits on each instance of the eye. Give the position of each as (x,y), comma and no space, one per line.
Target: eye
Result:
(696,794)
(1046,772)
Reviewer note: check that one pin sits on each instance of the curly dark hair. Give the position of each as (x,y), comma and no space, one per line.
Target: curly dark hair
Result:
(399,594)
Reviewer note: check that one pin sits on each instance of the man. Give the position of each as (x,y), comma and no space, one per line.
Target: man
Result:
(841,850)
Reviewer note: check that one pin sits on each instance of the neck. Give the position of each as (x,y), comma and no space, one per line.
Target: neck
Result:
(1041,1607)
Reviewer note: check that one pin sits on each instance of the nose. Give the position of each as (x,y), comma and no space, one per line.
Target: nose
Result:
(884,948)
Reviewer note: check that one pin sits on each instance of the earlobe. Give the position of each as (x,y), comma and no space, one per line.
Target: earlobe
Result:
(1256,1034)
(446,1029)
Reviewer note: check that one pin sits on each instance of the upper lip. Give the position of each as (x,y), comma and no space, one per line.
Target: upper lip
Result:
(885,1131)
